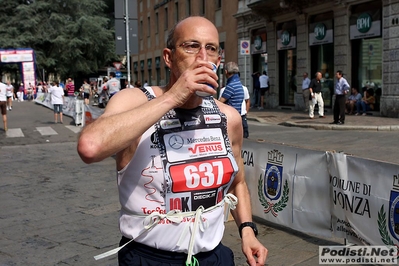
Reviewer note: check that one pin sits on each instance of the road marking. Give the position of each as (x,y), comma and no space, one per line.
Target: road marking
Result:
(74,128)
(14,133)
(45,131)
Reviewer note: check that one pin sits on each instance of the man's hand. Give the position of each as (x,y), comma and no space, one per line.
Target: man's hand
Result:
(194,78)
(253,250)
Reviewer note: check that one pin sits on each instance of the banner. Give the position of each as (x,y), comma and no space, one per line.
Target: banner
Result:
(288,186)
(324,193)
(364,200)
(69,108)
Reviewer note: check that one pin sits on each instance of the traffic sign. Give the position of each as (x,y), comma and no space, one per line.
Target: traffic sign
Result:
(117,65)
(118,74)
(245,47)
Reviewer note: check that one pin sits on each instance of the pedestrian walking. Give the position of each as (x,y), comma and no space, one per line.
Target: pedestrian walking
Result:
(256,91)
(305,91)
(10,95)
(264,87)
(3,104)
(316,96)
(86,90)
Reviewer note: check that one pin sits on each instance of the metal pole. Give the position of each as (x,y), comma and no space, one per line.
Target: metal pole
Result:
(245,70)
(127,41)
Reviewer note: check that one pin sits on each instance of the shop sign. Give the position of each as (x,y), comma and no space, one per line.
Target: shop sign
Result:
(285,40)
(365,27)
(258,46)
(320,33)
(363,23)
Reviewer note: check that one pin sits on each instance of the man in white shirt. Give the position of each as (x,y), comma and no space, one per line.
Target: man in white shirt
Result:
(305,90)
(264,87)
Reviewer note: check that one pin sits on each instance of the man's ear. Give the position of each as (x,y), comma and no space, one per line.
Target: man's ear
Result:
(167,57)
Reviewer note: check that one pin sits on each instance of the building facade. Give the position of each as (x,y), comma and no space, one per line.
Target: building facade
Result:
(157,17)
(361,38)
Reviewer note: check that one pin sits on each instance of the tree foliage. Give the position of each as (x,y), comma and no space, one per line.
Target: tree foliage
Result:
(69,37)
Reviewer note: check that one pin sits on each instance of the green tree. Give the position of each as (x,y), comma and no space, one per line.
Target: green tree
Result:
(69,37)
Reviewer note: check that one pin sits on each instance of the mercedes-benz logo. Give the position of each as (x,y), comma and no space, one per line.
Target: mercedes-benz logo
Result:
(176,142)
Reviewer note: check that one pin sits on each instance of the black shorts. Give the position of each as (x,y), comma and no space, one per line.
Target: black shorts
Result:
(3,107)
(136,254)
(86,95)
(263,91)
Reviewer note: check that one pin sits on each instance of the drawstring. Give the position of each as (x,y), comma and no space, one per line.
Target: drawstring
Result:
(176,216)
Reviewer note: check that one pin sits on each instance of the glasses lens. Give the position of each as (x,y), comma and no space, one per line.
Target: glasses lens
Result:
(211,49)
(191,47)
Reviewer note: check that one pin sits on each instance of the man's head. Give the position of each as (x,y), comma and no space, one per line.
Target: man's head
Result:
(339,74)
(69,80)
(305,75)
(264,72)
(112,74)
(194,38)
(354,91)
(231,68)
(318,75)
(8,82)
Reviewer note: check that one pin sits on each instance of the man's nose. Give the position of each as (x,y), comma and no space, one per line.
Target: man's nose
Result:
(202,54)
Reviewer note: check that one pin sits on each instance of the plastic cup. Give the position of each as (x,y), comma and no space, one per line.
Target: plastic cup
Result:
(202,93)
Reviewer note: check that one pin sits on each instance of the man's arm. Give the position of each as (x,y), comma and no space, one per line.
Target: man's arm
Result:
(311,87)
(250,245)
(224,97)
(129,114)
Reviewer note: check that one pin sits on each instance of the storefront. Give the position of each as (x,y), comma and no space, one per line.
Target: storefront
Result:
(366,40)
(286,47)
(321,42)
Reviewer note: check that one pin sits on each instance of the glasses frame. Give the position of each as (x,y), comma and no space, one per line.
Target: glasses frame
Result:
(206,46)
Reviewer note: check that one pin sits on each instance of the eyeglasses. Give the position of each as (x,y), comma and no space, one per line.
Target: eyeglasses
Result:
(195,47)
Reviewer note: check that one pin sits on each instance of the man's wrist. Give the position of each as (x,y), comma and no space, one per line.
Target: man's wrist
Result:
(248,224)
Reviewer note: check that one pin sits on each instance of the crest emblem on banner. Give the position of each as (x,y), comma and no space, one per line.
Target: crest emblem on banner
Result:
(393,217)
(272,194)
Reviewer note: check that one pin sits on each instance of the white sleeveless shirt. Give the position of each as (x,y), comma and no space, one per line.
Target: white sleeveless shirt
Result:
(199,177)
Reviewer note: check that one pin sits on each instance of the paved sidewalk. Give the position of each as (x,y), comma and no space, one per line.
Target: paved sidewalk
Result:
(301,119)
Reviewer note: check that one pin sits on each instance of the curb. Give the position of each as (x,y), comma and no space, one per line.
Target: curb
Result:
(341,127)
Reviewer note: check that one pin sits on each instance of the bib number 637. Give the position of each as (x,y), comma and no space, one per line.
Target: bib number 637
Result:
(201,175)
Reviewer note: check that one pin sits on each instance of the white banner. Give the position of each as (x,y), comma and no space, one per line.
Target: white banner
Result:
(364,200)
(288,186)
(324,193)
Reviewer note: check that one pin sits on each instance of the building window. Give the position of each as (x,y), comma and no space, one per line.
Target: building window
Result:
(176,12)
(188,8)
(166,19)
(148,27)
(202,7)
(156,22)
(218,4)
